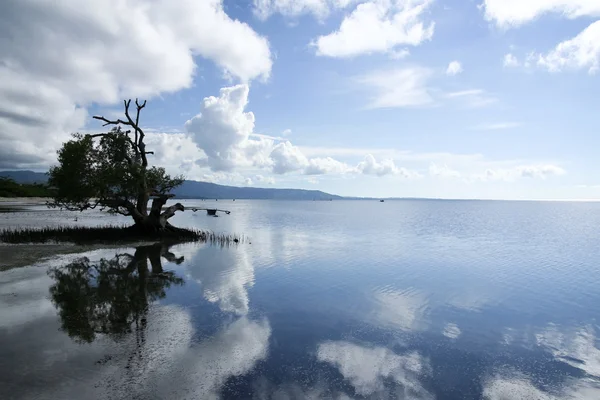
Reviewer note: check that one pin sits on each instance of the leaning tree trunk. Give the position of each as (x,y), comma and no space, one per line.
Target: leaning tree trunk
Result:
(157,220)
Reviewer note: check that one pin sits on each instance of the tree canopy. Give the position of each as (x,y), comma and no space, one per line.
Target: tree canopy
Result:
(110,171)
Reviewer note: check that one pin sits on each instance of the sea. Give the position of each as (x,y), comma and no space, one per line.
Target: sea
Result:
(407,299)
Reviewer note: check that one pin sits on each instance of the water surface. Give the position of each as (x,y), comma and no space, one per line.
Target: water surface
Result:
(343,299)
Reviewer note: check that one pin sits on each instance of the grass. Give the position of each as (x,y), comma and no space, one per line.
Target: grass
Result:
(112,234)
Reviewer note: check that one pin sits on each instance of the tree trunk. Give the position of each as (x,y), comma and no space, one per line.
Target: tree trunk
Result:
(157,220)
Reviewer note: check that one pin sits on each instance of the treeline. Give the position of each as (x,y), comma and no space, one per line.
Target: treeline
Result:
(10,188)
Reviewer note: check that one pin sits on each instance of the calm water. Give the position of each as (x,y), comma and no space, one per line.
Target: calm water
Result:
(331,300)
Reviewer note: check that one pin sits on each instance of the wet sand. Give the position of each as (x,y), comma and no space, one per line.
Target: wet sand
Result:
(20,255)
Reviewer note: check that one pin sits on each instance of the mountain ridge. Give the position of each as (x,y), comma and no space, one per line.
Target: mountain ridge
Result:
(204,190)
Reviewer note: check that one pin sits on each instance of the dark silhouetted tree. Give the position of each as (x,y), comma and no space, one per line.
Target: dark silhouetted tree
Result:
(110,171)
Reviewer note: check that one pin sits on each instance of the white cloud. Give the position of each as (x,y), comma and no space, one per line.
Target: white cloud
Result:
(63,57)
(370,166)
(368,369)
(443,171)
(398,54)
(378,26)
(287,158)
(269,180)
(402,87)
(222,130)
(321,166)
(286,132)
(473,98)
(581,52)
(540,171)
(454,68)
(410,87)
(511,61)
(511,13)
(320,9)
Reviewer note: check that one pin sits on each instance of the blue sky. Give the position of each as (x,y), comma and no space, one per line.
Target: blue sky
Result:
(426,98)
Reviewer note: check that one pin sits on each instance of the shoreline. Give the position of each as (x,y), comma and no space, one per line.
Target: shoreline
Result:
(28,254)
(23,200)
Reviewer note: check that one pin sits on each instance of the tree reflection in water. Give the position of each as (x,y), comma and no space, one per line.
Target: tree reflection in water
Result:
(111,296)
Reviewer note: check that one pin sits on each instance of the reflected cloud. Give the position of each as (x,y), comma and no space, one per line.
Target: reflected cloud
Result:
(576,348)
(169,364)
(451,331)
(405,309)
(469,301)
(265,390)
(123,343)
(369,368)
(206,367)
(519,388)
(225,276)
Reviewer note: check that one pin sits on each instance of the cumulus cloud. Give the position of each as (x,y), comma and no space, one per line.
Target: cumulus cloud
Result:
(511,13)
(454,68)
(222,130)
(370,166)
(62,57)
(327,165)
(368,369)
(287,158)
(511,61)
(580,52)
(286,132)
(269,180)
(378,26)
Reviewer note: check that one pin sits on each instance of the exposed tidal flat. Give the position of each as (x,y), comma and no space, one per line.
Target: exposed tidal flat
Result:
(344,299)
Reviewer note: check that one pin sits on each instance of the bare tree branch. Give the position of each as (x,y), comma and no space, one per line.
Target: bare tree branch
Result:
(170,211)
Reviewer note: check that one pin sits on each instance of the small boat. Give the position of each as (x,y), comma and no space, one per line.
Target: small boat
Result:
(381,201)
(211,212)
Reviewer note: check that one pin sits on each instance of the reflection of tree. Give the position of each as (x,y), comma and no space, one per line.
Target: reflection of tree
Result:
(110,296)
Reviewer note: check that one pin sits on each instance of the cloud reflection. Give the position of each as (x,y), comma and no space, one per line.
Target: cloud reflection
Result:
(520,388)
(225,276)
(576,348)
(369,368)
(405,309)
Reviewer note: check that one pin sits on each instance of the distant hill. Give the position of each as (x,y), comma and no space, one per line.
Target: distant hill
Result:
(204,190)
(25,176)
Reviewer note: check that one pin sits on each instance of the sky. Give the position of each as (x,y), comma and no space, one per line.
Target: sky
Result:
(487,99)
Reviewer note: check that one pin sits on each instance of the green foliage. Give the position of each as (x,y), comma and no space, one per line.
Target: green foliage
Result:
(10,188)
(104,170)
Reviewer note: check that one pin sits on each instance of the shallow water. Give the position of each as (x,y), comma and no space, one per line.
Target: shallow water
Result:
(395,300)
